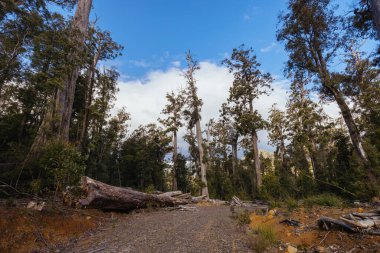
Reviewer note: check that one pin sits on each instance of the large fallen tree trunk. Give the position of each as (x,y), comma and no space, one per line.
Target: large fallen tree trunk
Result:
(106,197)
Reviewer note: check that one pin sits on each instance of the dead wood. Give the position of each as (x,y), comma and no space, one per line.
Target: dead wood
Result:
(102,196)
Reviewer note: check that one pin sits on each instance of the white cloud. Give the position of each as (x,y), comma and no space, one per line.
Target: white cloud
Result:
(145,98)
(176,64)
(139,63)
(269,48)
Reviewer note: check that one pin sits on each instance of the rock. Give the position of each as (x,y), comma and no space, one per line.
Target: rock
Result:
(36,206)
(291,249)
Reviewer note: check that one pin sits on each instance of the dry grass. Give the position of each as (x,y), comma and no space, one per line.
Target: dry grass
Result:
(262,238)
(24,230)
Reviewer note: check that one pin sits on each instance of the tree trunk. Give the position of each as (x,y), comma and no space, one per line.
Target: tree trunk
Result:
(201,158)
(65,96)
(174,188)
(234,146)
(88,100)
(350,123)
(375,5)
(106,197)
(256,157)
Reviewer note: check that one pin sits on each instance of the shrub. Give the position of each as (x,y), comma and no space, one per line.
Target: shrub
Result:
(262,237)
(323,200)
(291,204)
(61,164)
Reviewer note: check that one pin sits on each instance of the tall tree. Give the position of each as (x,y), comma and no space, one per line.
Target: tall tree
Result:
(249,83)
(193,114)
(58,116)
(278,127)
(312,35)
(173,110)
(100,47)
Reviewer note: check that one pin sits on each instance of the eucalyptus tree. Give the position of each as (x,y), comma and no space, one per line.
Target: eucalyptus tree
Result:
(192,114)
(248,85)
(278,131)
(99,47)
(57,119)
(305,122)
(313,37)
(173,110)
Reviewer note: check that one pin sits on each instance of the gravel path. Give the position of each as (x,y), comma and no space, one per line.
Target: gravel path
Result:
(206,229)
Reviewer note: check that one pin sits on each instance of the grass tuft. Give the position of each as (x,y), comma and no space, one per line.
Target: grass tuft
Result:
(262,238)
(243,218)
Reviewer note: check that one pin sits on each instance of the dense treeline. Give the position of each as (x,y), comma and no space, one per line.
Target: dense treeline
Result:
(56,122)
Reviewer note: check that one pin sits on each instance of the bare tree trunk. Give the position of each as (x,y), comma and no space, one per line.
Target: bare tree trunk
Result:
(65,97)
(352,128)
(375,5)
(234,146)
(201,158)
(257,163)
(175,186)
(88,100)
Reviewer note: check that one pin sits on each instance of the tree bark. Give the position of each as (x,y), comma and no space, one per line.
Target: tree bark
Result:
(106,197)
(375,5)
(65,96)
(175,161)
(201,157)
(257,163)
(350,123)
(234,146)
(88,100)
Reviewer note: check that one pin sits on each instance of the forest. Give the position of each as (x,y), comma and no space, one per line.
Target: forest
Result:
(56,121)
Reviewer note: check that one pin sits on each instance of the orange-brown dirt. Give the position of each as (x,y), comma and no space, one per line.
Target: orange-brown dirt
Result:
(308,237)
(65,229)
(25,230)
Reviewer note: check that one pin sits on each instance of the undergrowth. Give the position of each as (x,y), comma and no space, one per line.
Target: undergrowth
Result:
(324,200)
(262,238)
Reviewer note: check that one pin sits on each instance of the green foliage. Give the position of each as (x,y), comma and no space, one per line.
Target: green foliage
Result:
(262,238)
(325,199)
(62,165)
(291,204)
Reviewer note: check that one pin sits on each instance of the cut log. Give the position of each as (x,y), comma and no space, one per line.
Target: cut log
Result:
(106,197)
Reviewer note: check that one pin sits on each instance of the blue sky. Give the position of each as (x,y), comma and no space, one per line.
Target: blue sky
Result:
(158,32)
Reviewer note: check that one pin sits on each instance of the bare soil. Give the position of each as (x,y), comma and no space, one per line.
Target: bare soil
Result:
(207,229)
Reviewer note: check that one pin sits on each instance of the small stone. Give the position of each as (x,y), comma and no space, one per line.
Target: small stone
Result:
(88,217)
(291,249)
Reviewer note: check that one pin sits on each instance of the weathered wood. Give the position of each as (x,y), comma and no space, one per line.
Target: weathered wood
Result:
(106,197)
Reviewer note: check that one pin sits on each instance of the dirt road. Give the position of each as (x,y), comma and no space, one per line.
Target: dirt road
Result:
(207,229)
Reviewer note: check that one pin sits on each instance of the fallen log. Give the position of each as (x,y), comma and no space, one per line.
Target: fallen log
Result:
(102,196)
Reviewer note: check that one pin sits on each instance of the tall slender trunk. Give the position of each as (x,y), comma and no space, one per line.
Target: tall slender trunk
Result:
(350,123)
(256,155)
(201,157)
(88,101)
(257,163)
(175,186)
(65,97)
(234,146)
